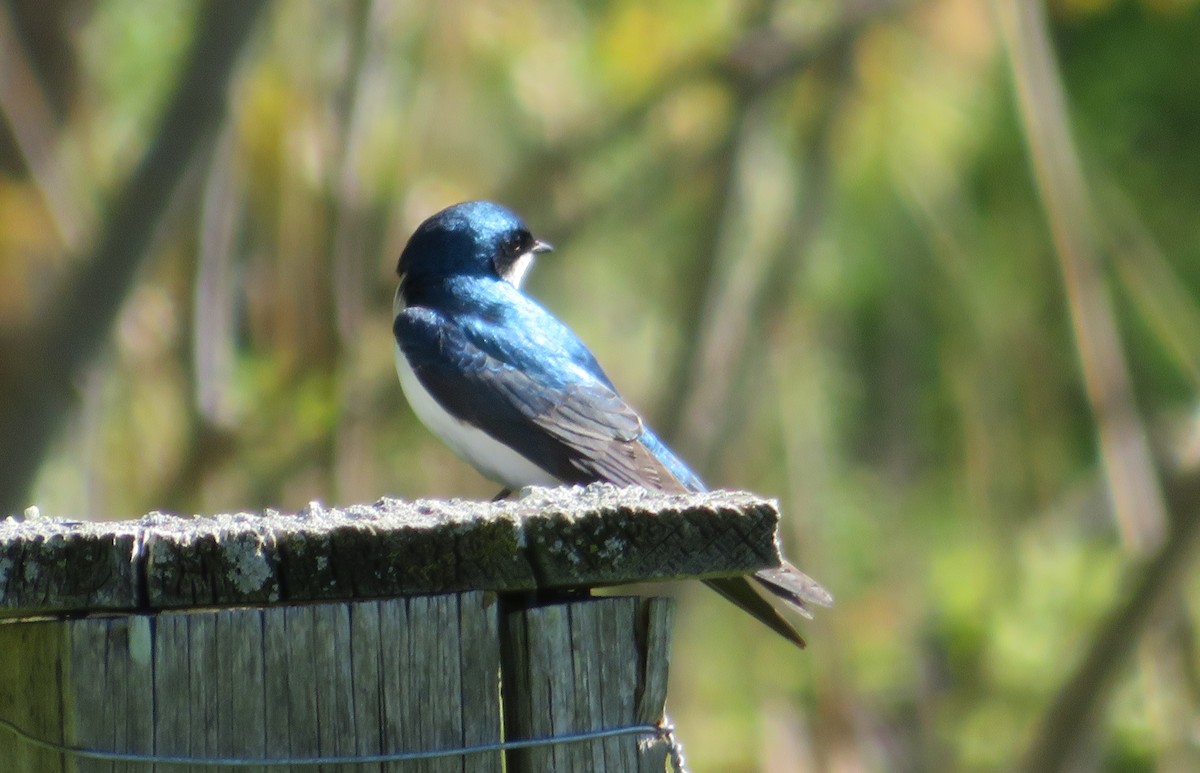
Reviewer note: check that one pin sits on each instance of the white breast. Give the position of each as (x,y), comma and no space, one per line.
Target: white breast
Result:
(489,456)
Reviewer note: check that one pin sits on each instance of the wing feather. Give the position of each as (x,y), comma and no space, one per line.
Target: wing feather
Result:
(587,431)
(554,405)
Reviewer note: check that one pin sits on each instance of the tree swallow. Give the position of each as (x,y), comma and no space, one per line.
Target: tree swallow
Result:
(515,393)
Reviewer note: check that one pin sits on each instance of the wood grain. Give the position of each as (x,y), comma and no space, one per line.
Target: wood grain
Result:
(339,679)
(589,665)
(550,538)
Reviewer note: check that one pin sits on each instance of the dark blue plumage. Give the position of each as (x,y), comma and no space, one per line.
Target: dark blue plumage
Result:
(515,392)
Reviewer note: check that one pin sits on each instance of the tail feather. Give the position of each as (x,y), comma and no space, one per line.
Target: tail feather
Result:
(786,582)
(795,587)
(742,594)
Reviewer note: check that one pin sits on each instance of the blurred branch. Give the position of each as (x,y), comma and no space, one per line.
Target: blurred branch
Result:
(347,244)
(40,374)
(343,195)
(758,62)
(214,293)
(685,420)
(754,67)
(26,108)
(751,295)
(1124,448)
(763,59)
(213,437)
(1154,286)
(1074,709)
(729,315)
(211,415)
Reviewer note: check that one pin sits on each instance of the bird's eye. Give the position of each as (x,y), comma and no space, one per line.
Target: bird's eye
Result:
(508,262)
(516,243)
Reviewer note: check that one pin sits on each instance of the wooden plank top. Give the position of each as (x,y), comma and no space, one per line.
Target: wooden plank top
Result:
(547,538)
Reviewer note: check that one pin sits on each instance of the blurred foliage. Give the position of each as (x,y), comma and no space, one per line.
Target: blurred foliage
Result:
(803,237)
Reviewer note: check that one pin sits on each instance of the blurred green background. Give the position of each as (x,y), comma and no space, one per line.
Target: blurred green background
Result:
(927,272)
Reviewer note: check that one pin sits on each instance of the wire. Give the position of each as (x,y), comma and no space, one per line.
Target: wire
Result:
(658,731)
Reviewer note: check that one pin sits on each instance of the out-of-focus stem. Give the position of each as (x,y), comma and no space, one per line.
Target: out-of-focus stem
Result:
(24,106)
(50,360)
(1124,450)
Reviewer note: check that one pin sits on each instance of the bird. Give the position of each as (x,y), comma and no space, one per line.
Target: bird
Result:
(516,394)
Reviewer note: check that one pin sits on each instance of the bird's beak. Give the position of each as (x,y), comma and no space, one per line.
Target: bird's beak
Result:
(541,246)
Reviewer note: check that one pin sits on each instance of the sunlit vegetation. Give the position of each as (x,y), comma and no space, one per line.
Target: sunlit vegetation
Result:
(927,272)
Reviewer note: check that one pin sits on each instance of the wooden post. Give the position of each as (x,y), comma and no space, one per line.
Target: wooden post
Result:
(358,632)
(561,684)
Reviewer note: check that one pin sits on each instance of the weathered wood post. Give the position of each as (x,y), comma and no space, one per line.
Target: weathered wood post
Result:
(453,632)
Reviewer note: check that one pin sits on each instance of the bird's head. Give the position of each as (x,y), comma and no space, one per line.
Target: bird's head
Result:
(474,238)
